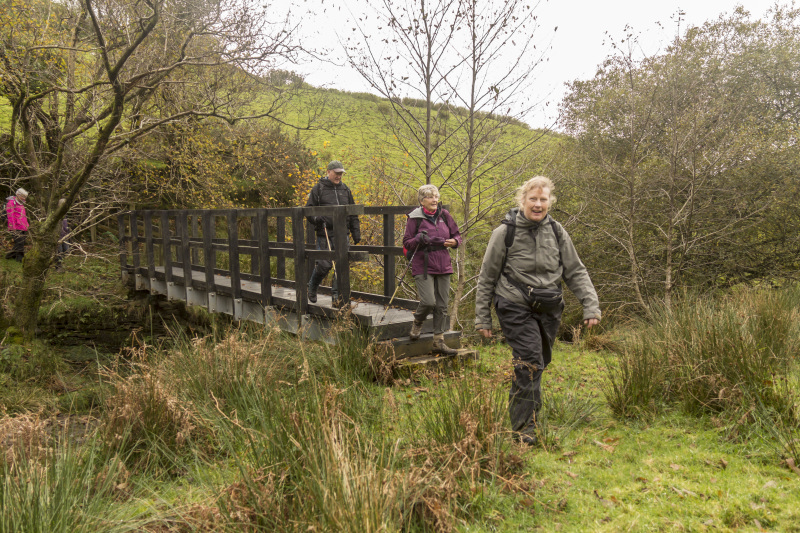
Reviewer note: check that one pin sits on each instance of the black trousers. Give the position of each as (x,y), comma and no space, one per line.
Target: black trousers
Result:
(531,336)
(19,239)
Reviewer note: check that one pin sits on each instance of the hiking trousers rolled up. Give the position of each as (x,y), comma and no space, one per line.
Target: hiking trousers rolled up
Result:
(322,267)
(19,238)
(434,293)
(530,336)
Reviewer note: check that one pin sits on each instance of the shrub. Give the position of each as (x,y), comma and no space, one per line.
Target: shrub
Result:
(385,109)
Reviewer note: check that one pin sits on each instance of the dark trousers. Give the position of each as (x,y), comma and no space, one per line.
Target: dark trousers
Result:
(62,249)
(322,267)
(530,336)
(19,239)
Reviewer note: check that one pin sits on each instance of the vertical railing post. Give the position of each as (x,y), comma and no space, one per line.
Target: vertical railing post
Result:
(137,261)
(148,244)
(181,225)
(263,252)
(209,255)
(233,254)
(311,243)
(281,237)
(389,281)
(123,243)
(254,256)
(341,245)
(300,273)
(166,245)
(194,223)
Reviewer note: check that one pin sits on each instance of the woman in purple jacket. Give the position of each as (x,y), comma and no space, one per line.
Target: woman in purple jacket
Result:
(430,231)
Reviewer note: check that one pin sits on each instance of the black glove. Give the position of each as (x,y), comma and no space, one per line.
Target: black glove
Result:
(423,239)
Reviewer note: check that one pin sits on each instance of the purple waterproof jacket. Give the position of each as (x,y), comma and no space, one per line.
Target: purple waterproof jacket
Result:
(440,228)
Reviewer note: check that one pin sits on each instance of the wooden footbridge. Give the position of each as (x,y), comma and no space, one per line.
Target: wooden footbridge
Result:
(254,264)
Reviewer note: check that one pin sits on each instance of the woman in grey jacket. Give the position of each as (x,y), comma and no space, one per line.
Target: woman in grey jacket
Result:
(527,257)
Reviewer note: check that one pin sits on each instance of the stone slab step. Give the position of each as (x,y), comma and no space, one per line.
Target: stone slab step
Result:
(404,347)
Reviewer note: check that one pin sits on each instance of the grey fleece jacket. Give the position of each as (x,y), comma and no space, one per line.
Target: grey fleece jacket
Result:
(533,260)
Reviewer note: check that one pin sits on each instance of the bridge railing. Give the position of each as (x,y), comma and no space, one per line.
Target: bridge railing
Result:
(188,248)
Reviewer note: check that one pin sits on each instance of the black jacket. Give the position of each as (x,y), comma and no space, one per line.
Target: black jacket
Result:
(326,193)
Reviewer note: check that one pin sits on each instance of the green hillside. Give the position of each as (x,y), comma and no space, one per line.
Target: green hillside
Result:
(354,128)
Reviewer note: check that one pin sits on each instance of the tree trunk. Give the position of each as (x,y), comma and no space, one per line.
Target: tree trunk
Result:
(34,270)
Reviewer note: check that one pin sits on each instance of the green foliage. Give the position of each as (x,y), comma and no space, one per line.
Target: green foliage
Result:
(5,115)
(251,164)
(681,163)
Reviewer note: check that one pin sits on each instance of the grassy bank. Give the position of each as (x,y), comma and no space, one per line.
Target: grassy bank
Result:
(247,429)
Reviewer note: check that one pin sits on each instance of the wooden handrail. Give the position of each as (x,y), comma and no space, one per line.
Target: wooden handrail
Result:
(181,244)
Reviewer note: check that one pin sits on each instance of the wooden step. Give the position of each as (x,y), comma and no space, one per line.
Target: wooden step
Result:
(407,366)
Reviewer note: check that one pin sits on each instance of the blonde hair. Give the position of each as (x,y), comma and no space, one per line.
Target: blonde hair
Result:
(536,182)
(21,192)
(427,191)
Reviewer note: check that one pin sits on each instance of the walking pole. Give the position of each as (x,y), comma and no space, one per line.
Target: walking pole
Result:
(325,227)
(333,262)
(398,285)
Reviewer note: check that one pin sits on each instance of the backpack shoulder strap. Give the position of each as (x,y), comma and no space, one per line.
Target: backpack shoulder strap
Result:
(511,232)
(556,232)
(315,193)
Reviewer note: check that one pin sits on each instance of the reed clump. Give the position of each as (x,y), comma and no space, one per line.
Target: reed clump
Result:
(722,356)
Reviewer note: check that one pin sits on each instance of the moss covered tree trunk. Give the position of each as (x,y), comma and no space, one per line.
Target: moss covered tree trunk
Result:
(34,273)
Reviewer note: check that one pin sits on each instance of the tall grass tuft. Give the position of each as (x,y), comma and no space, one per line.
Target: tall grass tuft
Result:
(50,484)
(469,409)
(166,404)
(561,414)
(710,356)
(308,466)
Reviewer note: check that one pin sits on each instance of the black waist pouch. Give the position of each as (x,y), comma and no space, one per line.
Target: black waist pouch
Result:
(540,300)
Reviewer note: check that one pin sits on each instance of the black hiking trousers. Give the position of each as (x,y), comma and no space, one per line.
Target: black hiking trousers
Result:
(530,336)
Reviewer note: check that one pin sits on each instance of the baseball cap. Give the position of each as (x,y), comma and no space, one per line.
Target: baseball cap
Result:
(336,166)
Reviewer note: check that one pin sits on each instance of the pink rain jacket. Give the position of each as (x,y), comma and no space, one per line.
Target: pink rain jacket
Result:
(17,217)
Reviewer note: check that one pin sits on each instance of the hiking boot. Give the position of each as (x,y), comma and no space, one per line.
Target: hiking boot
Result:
(416,331)
(313,285)
(440,347)
(312,294)
(528,439)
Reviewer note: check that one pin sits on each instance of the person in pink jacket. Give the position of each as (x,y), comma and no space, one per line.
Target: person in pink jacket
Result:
(17,224)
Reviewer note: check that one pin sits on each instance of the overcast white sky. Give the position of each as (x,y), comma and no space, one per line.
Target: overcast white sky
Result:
(579,45)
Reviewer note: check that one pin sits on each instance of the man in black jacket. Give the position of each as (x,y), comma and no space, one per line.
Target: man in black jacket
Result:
(330,191)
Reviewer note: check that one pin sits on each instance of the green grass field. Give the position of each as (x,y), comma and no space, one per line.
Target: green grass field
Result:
(250,430)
